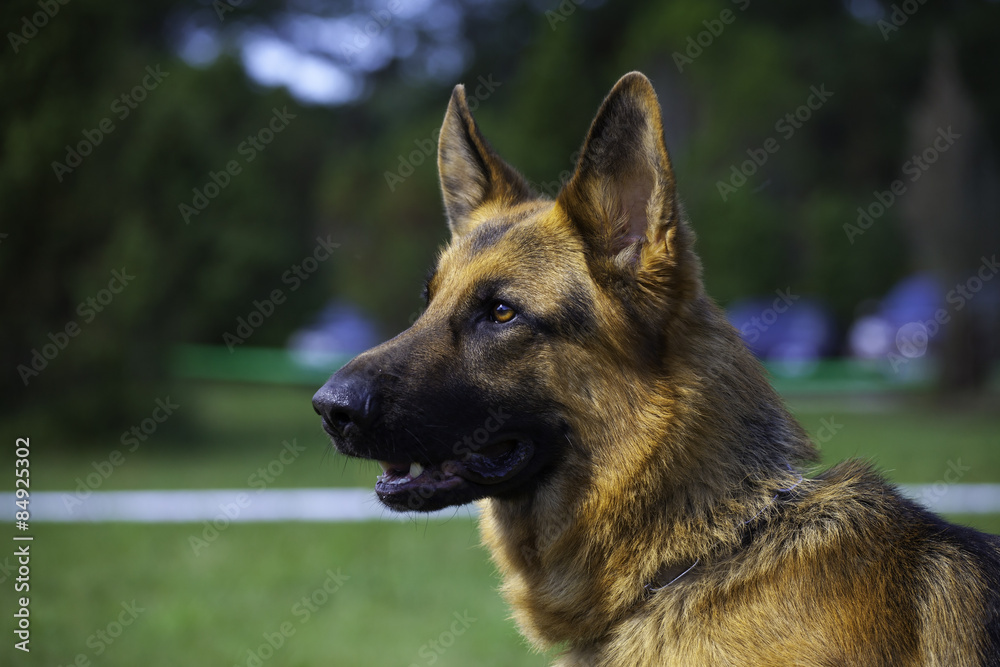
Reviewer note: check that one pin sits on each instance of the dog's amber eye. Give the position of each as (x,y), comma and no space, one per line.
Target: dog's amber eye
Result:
(502,313)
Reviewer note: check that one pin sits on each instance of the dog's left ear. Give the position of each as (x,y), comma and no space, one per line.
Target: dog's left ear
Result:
(472,174)
(622,196)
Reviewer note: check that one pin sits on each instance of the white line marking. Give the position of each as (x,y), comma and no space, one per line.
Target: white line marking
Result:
(956,498)
(350,505)
(235,505)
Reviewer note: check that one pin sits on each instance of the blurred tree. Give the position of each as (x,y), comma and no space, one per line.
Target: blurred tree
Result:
(952,218)
(107,135)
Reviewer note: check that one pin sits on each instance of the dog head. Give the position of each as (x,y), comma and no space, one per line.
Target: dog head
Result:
(542,317)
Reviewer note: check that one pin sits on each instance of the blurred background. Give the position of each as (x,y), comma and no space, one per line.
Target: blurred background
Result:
(206,207)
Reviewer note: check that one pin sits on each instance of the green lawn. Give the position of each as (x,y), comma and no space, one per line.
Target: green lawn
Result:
(392,589)
(911,443)
(375,594)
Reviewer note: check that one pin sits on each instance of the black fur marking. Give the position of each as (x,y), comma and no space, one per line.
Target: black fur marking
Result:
(425,291)
(490,289)
(488,235)
(477,155)
(574,319)
(615,137)
(985,551)
(452,184)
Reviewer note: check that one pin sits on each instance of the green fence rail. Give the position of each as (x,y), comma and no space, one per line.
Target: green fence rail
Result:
(251,364)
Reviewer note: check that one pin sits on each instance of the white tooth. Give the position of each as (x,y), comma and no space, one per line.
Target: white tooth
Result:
(384,465)
(415,470)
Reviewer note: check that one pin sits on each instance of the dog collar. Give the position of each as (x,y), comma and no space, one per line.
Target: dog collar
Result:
(669,574)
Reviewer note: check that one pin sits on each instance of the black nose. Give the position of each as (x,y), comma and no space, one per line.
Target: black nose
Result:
(346,400)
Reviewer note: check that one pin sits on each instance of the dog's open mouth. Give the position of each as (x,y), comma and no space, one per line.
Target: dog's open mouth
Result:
(420,486)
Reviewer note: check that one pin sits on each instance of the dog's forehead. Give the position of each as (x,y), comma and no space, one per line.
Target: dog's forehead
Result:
(526,235)
(511,244)
(493,223)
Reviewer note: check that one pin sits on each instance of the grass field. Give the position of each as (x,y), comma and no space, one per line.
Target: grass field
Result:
(341,594)
(417,593)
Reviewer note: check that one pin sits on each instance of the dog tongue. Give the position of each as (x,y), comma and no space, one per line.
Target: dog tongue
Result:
(493,468)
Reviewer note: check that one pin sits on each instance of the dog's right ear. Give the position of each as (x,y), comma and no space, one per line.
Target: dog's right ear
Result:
(622,196)
(472,174)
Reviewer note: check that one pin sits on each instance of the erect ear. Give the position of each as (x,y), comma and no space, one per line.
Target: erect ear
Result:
(471,172)
(622,195)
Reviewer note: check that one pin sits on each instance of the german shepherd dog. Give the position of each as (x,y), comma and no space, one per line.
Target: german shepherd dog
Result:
(641,484)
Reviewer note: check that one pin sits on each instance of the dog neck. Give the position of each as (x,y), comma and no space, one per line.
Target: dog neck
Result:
(671,573)
(580,553)
(572,580)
